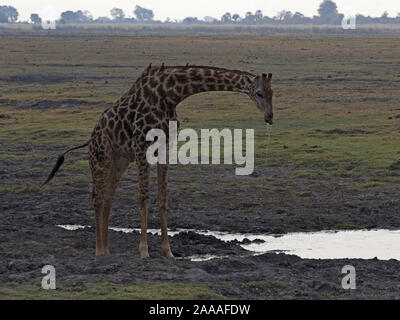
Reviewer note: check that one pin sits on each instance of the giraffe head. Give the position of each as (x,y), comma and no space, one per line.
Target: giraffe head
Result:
(259,90)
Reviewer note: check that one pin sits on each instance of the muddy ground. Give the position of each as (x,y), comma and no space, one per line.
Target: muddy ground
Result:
(30,238)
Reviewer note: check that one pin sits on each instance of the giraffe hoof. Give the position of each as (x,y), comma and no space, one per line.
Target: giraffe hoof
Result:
(168,255)
(144,255)
(102,253)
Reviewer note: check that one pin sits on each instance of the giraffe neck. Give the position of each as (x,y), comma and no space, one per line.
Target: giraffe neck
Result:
(172,85)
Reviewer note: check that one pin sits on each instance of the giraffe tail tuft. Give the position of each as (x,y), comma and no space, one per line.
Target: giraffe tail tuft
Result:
(60,162)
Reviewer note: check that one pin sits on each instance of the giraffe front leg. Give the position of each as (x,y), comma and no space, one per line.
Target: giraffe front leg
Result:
(144,200)
(162,176)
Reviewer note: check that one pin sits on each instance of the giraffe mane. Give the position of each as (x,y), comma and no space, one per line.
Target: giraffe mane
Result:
(203,67)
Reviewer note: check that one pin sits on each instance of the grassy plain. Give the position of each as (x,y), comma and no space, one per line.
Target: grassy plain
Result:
(335,98)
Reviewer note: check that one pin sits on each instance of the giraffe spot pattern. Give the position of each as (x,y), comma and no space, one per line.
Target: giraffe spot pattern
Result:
(151,102)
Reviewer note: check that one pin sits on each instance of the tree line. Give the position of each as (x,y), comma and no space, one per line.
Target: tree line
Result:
(327,14)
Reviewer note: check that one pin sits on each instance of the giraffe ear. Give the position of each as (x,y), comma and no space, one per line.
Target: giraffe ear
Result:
(268,78)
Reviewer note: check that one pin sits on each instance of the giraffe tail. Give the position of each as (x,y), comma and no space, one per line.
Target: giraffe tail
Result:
(60,161)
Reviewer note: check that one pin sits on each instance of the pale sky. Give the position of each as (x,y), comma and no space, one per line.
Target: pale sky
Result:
(179,9)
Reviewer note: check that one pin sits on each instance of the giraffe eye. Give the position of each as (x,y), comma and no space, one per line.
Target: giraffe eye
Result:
(259,95)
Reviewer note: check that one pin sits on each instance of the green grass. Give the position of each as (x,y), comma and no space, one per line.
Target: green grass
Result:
(79,165)
(21,157)
(372,185)
(16,188)
(109,291)
(321,126)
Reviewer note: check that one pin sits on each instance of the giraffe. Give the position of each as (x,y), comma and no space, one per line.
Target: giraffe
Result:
(119,137)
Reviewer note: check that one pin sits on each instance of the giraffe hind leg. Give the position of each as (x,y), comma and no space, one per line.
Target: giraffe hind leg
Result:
(106,176)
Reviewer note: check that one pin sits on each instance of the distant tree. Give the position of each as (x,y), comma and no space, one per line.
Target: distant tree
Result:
(117,14)
(35,18)
(143,14)
(75,17)
(284,15)
(226,18)
(84,16)
(69,17)
(190,20)
(235,17)
(268,20)
(298,15)
(249,18)
(8,14)
(133,20)
(3,17)
(208,19)
(288,16)
(258,16)
(103,20)
(299,18)
(328,12)
(327,8)
(384,18)
(385,15)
